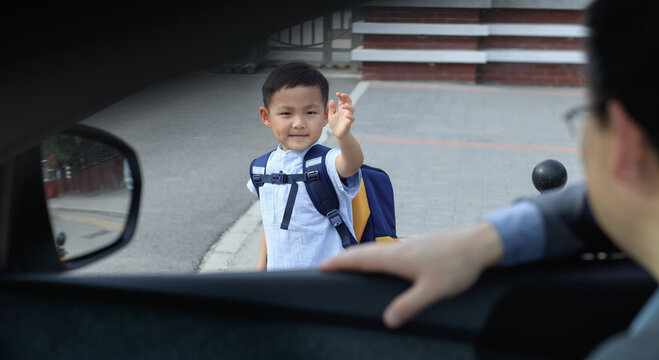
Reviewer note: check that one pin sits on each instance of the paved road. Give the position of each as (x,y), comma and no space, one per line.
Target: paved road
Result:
(455,152)
(88,221)
(195,136)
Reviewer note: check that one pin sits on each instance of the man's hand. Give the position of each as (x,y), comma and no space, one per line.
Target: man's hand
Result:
(438,266)
(340,120)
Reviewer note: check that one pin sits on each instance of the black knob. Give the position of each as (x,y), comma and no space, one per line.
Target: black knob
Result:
(549,174)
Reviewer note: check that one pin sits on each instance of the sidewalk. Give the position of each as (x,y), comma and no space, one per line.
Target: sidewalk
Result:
(453,152)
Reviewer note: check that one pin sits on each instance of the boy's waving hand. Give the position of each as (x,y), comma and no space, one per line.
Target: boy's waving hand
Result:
(340,121)
(342,118)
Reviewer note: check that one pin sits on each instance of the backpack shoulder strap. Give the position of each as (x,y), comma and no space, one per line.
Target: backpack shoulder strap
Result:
(322,193)
(257,170)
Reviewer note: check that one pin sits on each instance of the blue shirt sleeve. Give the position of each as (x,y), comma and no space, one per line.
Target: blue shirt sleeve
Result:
(648,316)
(522,232)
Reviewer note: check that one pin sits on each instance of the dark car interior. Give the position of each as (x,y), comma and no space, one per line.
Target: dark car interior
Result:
(63,63)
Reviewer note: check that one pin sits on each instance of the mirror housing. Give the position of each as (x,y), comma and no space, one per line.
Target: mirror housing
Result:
(32,245)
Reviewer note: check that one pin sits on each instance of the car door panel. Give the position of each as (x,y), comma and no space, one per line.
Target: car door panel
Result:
(311,314)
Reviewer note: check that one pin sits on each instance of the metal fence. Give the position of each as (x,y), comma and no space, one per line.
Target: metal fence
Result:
(326,40)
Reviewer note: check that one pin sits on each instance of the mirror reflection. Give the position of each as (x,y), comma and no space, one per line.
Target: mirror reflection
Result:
(88,188)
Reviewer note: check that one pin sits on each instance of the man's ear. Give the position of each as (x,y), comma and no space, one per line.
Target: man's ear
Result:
(632,151)
(265,116)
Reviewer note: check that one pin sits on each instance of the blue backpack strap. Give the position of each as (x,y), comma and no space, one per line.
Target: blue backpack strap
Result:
(259,177)
(257,171)
(322,193)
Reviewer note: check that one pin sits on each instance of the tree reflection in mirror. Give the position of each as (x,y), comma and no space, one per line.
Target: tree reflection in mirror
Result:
(88,188)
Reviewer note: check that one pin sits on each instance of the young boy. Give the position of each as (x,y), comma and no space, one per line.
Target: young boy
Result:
(295,108)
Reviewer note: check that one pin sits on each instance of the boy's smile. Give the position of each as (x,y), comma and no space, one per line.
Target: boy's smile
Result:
(296,116)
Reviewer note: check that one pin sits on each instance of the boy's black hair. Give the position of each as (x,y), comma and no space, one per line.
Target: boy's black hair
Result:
(623,51)
(292,75)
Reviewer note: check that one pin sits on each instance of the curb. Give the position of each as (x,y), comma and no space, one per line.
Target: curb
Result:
(220,255)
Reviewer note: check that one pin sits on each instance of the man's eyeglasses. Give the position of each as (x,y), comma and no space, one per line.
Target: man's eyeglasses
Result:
(576,121)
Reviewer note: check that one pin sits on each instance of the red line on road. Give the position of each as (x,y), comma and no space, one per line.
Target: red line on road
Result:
(467,144)
(499,90)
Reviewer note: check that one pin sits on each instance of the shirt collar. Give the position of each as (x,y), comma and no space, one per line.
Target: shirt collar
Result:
(294,153)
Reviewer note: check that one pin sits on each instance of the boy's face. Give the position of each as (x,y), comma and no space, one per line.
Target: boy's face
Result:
(296,116)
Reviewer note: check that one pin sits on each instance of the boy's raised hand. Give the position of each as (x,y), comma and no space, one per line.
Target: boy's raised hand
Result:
(342,118)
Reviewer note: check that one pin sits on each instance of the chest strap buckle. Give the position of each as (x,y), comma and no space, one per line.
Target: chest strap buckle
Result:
(279,178)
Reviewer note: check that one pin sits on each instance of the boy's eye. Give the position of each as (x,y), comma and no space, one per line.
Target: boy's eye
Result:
(312,112)
(285,113)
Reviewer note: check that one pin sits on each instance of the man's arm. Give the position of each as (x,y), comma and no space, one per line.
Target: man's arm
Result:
(351,157)
(448,263)
(439,266)
(569,223)
(521,228)
(554,224)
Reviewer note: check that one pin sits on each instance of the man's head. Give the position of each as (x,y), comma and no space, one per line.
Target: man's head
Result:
(295,105)
(622,134)
(623,48)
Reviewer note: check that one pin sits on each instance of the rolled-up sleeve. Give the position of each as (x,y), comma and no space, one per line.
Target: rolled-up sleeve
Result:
(349,186)
(522,231)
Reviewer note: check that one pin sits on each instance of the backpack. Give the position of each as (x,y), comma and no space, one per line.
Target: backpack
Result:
(373,211)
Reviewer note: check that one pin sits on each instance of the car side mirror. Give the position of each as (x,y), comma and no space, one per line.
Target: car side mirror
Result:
(76,199)
(91,183)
